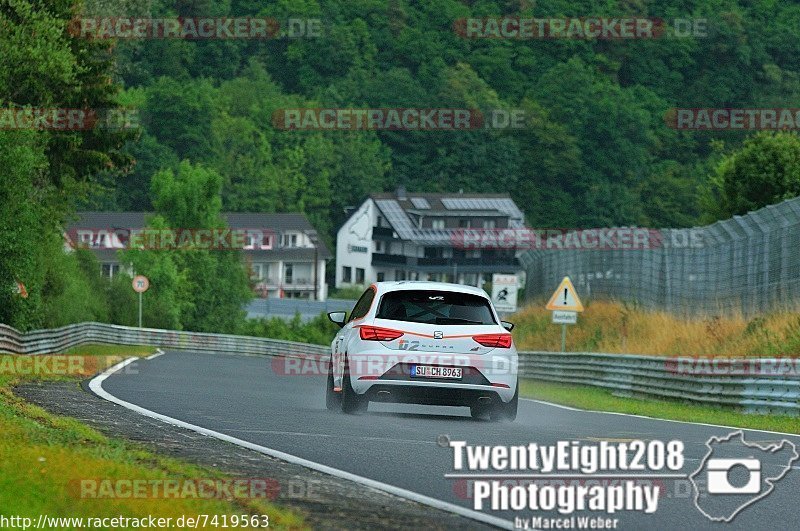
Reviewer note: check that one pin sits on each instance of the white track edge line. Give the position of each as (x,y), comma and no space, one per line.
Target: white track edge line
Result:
(96,385)
(569,408)
(158,353)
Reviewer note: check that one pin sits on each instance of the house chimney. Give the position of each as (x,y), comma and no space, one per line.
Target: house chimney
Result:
(401,192)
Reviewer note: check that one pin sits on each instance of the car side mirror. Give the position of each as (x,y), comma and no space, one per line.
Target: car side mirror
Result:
(508,326)
(338,318)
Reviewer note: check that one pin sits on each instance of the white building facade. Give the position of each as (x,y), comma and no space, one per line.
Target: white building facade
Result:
(408,236)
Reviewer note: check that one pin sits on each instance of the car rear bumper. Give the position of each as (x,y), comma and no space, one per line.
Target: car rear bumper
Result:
(437,395)
(482,376)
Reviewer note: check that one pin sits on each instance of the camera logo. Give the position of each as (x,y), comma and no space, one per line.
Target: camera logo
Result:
(735,474)
(719,482)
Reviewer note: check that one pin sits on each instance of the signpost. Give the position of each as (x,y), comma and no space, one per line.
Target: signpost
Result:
(562,317)
(565,306)
(140,285)
(504,292)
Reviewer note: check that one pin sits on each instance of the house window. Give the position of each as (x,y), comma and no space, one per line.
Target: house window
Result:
(437,223)
(288,273)
(488,223)
(464,223)
(381,275)
(290,240)
(109,270)
(347,274)
(260,271)
(399,274)
(359,275)
(379,247)
(433,252)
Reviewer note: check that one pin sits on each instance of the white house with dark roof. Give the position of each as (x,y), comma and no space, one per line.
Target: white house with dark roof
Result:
(284,255)
(414,236)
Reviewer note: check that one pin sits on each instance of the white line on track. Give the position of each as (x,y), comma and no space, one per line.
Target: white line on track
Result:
(158,353)
(96,385)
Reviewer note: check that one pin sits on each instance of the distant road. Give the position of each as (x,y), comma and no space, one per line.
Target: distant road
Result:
(396,445)
(287,308)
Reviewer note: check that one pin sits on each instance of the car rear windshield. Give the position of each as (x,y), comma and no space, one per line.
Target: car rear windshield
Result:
(436,307)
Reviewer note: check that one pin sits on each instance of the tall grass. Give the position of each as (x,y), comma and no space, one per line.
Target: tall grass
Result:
(621,328)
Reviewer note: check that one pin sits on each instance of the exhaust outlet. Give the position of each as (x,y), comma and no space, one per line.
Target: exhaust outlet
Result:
(383,394)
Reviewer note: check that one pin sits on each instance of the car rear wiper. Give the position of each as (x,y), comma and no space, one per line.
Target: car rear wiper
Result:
(455,320)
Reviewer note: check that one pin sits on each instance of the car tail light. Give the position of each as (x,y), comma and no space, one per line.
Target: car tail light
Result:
(494,340)
(376,333)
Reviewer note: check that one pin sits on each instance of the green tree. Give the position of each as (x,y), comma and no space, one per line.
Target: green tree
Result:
(73,291)
(24,225)
(766,170)
(180,115)
(205,289)
(163,303)
(44,174)
(243,156)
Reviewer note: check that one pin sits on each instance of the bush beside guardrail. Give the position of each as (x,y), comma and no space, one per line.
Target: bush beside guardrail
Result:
(625,375)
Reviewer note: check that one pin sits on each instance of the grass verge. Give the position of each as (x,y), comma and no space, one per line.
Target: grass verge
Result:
(44,457)
(597,399)
(615,327)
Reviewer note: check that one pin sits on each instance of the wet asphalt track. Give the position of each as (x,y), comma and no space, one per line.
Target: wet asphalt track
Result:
(242,396)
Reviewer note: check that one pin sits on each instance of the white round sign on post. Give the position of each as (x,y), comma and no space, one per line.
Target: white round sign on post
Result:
(140,283)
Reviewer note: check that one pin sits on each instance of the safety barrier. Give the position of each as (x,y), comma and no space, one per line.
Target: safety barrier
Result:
(763,385)
(60,339)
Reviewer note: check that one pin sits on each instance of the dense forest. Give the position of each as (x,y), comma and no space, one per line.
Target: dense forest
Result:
(595,149)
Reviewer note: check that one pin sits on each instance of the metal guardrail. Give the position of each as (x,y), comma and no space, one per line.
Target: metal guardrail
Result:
(60,339)
(754,385)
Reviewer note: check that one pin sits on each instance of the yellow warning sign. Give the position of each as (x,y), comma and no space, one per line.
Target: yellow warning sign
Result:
(565,298)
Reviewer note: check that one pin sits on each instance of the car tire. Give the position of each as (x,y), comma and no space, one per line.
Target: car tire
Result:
(352,402)
(507,411)
(333,400)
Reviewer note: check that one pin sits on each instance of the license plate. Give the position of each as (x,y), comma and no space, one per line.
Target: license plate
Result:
(428,371)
